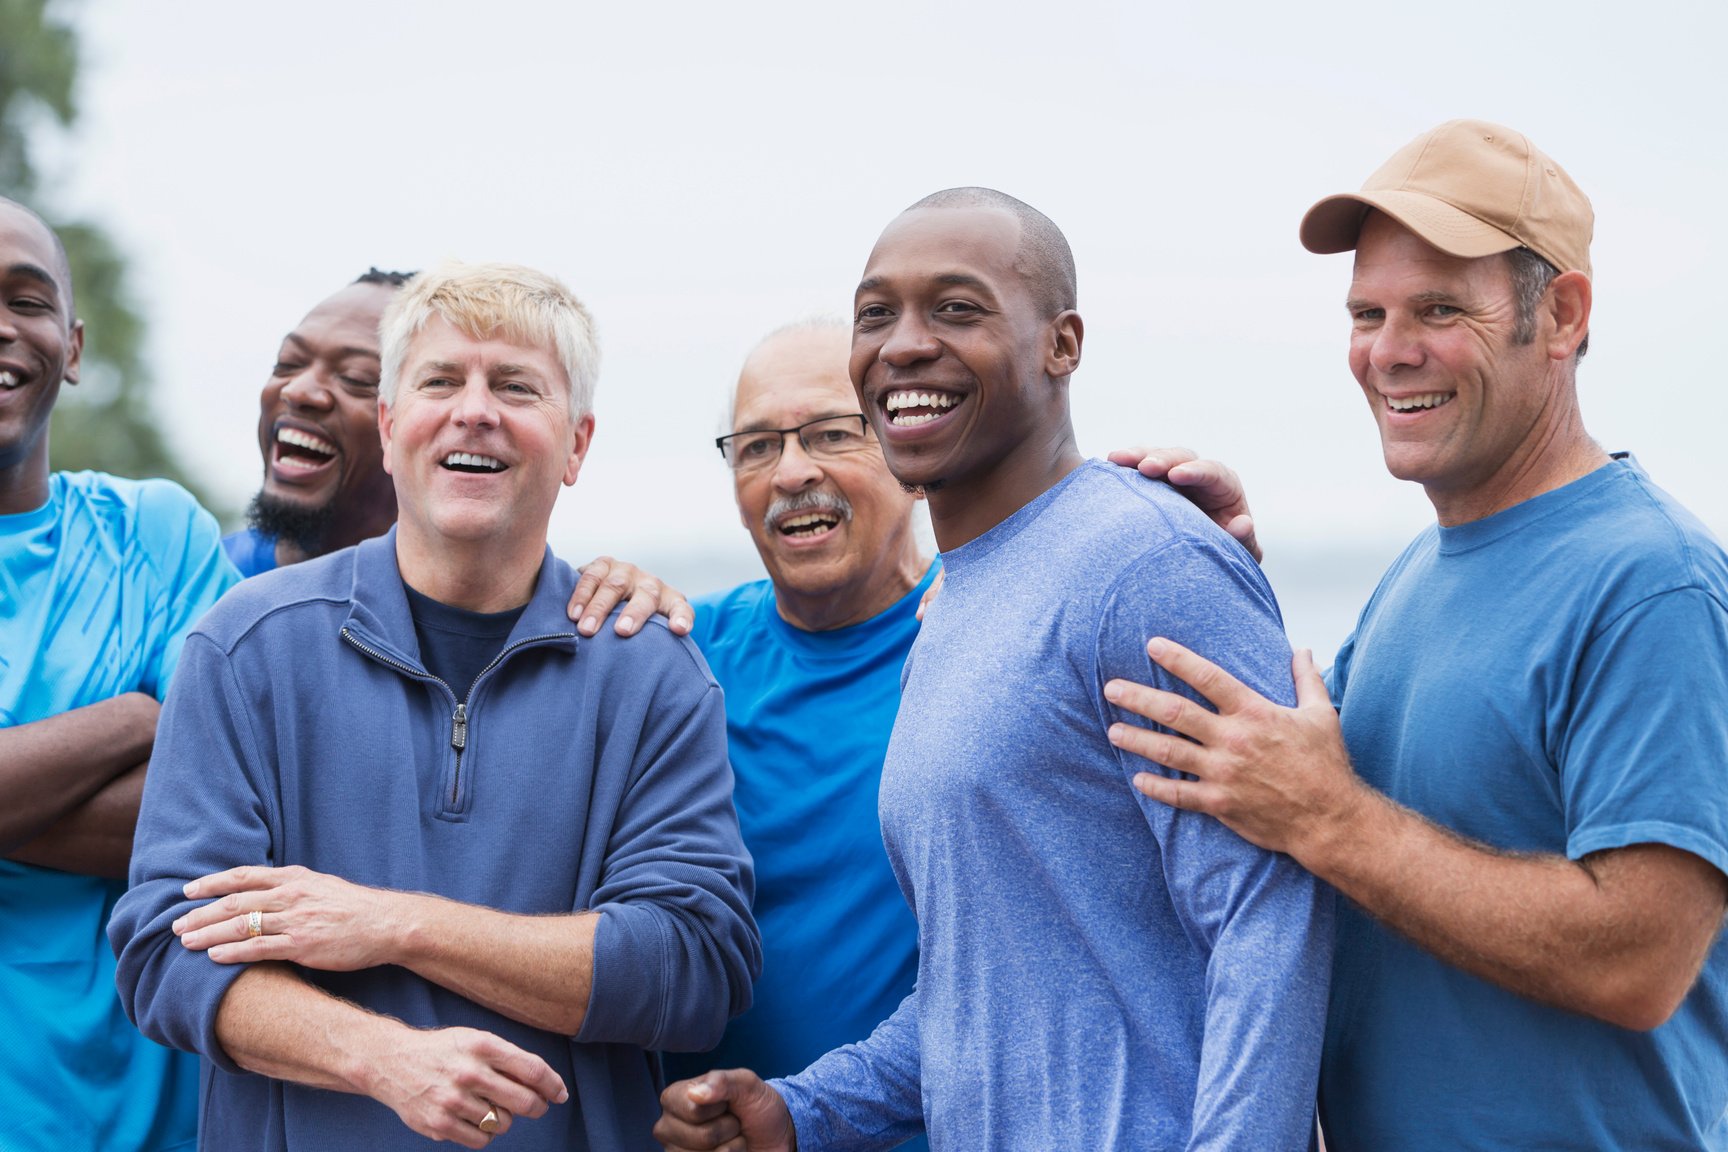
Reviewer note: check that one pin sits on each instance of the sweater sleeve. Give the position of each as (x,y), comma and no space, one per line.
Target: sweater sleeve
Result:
(1263,922)
(202,813)
(863,1096)
(676,950)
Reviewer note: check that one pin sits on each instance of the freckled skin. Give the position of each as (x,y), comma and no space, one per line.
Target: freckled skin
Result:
(1426,322)
(863,565)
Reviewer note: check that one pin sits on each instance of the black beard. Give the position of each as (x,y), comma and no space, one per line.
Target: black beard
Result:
(278,519)
(921,489)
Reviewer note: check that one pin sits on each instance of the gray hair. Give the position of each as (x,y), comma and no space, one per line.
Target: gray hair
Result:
(1531,275)
(816,322)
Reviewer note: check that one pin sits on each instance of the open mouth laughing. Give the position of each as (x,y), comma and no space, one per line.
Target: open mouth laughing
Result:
(473,463)
(10,379)
(807,516)
(908,409)
(298,450)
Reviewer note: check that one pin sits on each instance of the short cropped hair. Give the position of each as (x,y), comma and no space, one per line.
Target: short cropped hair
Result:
(480,300)
(62,265)
(377,275)
(1531,275)
(1045,260)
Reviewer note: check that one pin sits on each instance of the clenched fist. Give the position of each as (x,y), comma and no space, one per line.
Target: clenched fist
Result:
(728,1111)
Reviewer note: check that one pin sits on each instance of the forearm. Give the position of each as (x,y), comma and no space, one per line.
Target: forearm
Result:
(538,970)
(50,767)
(274,1023)
(95,838)
(1539,925)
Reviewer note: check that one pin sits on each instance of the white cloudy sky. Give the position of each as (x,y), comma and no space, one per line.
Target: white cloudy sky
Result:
(700,173)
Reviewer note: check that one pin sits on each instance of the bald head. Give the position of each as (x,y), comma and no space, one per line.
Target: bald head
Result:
(1044,258)
(62,270)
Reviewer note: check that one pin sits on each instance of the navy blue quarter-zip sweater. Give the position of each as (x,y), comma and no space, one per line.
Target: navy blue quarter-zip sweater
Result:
(303,728)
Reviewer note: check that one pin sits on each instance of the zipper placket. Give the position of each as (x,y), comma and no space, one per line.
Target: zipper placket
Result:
(458,719)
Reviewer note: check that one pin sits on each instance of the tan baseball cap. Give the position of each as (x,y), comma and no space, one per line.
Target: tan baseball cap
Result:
(1469,188)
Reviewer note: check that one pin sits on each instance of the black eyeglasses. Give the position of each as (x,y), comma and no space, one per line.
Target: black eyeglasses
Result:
(824,439)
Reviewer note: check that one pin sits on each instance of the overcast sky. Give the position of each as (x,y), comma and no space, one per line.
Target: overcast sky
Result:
(701,173)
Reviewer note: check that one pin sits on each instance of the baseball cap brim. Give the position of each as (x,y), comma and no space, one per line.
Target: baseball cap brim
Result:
(1334,224)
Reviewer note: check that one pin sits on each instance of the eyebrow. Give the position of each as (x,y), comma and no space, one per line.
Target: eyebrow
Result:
(765,426)
(297,339)
(1432,296)
(954,279)
(35,272)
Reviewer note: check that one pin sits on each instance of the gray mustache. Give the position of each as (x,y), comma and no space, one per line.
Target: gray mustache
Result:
(817,501)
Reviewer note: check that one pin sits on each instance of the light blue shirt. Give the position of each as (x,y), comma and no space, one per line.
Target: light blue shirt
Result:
(1096,971)
(98,589)
(1552,678)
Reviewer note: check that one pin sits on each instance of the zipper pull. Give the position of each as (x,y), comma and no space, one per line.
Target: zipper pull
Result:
(459,728)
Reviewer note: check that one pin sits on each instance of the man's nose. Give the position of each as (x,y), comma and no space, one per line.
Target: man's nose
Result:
(475,406)
(795,470)
(308,390)
(1396,344)
(910,341)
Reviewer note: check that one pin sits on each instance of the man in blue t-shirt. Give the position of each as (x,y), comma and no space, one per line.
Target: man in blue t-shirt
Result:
(1535,836)
(100,581)
(810,662)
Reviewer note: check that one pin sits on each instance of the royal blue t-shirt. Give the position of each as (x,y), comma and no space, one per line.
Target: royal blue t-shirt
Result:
(98,589)
(808,717)
(1552,678)
(250,552)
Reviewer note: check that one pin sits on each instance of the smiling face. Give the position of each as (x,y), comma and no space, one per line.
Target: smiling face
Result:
(824,524)
(953,357)
(479,439)
(318,414)
(1432,346)
(40,344)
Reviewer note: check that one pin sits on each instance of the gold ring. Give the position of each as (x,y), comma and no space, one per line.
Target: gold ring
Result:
(489,1122)
(254,923)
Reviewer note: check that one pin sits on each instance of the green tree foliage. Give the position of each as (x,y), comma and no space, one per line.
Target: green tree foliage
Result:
(106,422)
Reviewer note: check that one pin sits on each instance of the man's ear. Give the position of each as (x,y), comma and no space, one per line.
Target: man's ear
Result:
(1567,302)
(74,353)
(584,436)
(385,427)
(1067,333)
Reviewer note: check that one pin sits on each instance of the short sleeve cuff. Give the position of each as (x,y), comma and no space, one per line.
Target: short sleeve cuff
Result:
(1601,839)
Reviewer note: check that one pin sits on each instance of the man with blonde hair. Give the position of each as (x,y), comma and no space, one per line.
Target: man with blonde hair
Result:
(413,846)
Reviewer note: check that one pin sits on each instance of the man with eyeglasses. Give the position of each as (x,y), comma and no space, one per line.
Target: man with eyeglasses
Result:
(810,662)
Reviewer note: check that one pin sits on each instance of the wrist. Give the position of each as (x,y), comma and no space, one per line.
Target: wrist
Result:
(1342,829)
(365,1050)
(405,932)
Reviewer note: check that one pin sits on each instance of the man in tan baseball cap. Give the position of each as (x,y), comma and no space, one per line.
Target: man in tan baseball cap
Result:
(1515,767)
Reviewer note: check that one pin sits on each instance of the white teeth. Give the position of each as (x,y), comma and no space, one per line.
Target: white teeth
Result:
(8,379)
(804,521)
(1416,403)
(305,440)
(921,400)
(474,460)
(909,421)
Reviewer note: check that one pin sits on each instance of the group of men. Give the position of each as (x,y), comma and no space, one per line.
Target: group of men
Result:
(1034,845)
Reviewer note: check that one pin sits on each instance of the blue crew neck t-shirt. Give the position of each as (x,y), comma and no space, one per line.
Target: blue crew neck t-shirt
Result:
(1552,678)
(1096,971)
(98,589)
(250,552)
(808,717)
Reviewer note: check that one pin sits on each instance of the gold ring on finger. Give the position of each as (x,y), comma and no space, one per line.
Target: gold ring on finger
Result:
(254,923)
(489,1122)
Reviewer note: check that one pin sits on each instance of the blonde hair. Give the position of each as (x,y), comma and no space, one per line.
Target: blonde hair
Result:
(480,300)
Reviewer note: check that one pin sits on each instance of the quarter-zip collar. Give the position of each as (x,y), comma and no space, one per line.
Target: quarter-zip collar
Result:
(378,612)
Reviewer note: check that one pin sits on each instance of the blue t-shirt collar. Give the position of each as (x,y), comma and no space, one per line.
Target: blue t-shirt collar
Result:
(1478,533)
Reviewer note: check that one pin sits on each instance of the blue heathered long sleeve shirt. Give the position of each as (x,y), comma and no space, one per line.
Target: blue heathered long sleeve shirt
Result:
(1096,971)
(302,728)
